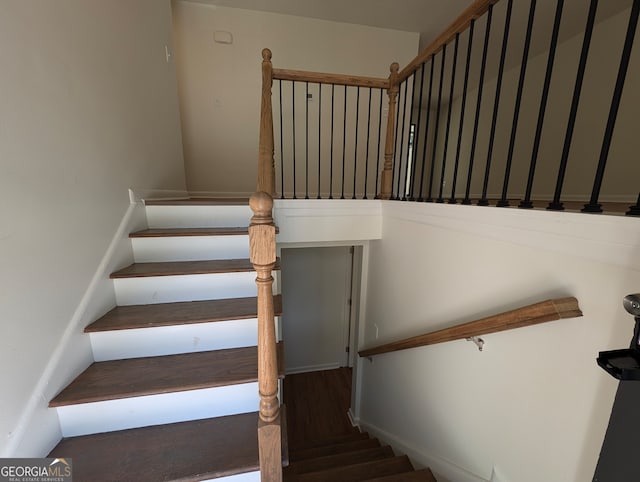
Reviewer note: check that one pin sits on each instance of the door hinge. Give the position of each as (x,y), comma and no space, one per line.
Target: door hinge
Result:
(346,349)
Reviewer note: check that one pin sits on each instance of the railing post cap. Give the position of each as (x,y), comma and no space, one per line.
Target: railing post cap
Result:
(266,55)
(261,203)
(395,66)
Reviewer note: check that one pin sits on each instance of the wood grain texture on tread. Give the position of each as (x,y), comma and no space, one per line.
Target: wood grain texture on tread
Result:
(180,313)
(177,268)
(185,451)
(323,451)
(424,475)
(358,472)
(175,232)
(340,460)
(110,380)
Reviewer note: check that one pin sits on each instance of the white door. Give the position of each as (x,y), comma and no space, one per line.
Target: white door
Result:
(316,287)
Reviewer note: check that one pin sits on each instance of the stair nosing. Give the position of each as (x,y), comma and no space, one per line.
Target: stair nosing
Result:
(164,314)
(189,232)
(134,366)
(185,268)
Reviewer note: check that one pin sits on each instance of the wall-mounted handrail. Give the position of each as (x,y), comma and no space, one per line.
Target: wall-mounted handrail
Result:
(549,310)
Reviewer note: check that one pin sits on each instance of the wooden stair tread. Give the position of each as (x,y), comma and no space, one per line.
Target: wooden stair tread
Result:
(199,201)
(177,268)
(180,313)
(340,460)
(174,232)
(338,439)
(325,450)
(134,377)
(358,472)
(185,451)
(424,475)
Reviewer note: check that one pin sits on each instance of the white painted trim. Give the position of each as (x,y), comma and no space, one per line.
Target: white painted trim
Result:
(312,368)
(217,194)
(442,469)
(117,254)
(356,386)
(610,239)
(139,195)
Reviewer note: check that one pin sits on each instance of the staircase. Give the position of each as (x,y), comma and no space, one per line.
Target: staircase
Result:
(350,458)
(173,392)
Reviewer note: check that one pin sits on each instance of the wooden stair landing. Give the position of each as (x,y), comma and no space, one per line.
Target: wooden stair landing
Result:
(185,451)
(180,313)
(200,201)
(178,268)
(110,380)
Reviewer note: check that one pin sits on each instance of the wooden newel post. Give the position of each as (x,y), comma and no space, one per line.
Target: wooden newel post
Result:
(387,171)
(262,242)
(266,164)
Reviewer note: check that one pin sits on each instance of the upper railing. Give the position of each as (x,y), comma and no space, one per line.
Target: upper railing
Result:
(480,116)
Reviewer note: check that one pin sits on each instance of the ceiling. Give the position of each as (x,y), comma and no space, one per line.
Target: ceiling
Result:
(428,17)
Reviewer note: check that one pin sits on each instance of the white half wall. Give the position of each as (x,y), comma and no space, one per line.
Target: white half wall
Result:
(89,110)
(220,84)
(533,405)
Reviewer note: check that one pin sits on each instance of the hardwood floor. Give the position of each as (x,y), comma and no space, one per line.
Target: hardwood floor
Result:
(317,404)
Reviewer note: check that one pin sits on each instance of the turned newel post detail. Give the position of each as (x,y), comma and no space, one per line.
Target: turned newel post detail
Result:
(387,172)
(262,243)
(266,164)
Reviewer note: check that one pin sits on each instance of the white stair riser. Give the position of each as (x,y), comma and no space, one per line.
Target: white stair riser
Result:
(198,216)
(124,413)
(190,248)
(168,340)
(167,289)
(247,477)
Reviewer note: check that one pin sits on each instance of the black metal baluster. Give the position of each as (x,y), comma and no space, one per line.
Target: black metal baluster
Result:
(452,199)
(281,146)
(526,202)
(474,138)
(435,131)
(504,202)
(447,130)
(379,137)
(293,110)
(344,139)
(366,156)
(319,134)
(496,105)
(415,136)
(306,157)
(635,209)
(426,131)
(593,206)
(395,143)
(331,144)
(355,150)
(556,204)
(401,153)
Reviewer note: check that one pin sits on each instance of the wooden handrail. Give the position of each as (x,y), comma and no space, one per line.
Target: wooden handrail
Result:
(337,79)
(549,310)
(262,245)
(459,25)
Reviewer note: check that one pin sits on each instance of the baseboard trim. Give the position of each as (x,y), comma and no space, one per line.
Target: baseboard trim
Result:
(54,378)
(312,368)
(140,195)
(443,469)
(217,194)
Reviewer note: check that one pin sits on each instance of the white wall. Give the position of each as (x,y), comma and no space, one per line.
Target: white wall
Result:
(533,405)
(89,109)
(220,84)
